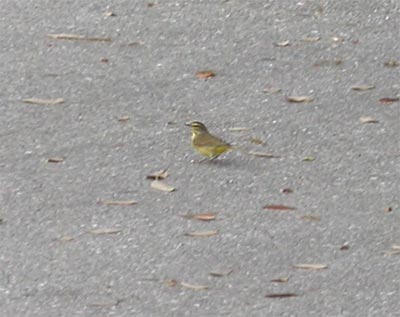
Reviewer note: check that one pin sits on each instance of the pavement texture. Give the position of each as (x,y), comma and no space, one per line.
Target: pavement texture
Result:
(53,262)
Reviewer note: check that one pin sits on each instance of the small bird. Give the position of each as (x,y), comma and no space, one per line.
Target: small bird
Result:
(205,143)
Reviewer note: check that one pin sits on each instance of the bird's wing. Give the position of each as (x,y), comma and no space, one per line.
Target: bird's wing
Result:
(210,140)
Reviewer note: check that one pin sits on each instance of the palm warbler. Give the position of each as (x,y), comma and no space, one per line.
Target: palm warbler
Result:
(205,143)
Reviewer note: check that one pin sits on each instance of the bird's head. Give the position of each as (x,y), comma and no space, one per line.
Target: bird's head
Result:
(197,127)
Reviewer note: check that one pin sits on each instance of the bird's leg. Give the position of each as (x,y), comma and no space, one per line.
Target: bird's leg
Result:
(202,160)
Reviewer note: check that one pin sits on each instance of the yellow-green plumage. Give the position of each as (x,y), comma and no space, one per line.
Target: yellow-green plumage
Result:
(205,143)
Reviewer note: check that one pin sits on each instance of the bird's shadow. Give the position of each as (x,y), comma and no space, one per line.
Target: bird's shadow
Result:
(223,162)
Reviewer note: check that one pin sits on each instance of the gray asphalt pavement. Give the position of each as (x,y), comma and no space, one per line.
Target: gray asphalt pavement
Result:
(53,262)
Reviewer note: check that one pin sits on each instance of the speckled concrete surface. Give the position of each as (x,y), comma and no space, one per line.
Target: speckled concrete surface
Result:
(50,263)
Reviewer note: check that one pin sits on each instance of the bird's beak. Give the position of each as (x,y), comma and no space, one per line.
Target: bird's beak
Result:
(187,124)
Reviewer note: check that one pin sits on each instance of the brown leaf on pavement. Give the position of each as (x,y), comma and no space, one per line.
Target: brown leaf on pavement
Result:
(299,99)
(195,287)
(239,129)
(77,37)
(391,63)
(368,120)
(170,282)
(263,154)
(310,266)
(279,207)
(105,231)
(311,217)
(388,100)
(282,44)
(123,118)
(362,87)
(281,295)
(162,186)
(311,39)
(344,247)
(39,101)
(220,273)
(55,160)
(65,238)
(280,280)
(109,14)
(209,233)
(119,202)
(204,217)
(257,141)
(271,90)
(205,74)
(162,174)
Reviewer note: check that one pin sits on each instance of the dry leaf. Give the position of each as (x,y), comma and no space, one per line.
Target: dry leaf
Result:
(156,184)
(204,217)
(119,202)
(319,11)
(362,87)
(209,233)
(368,120)
(65,36)
(337,39)
(282,44)
(310,266)
(132,44)
(39,101)
(311,217)
(335,62)
(344,247)
(239,129)
(279,207)
(393,251)
(391,63)
(106,231)
(311,39)
(257,141)
(55,160)
(194,286)
(272,90)
(280,280)
(123,118)
(170,282)
(286,190)
(308,159)
(388,100)
(396,252)
(205,74)
(298,99)
(162,174)
(263,154)
(107,303)
(387,209)
(281,295)
(65,238)
(220,273)
(109,14)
